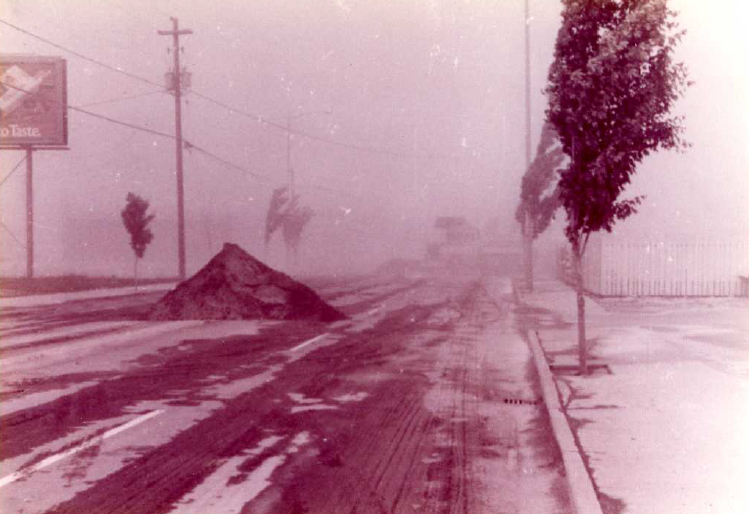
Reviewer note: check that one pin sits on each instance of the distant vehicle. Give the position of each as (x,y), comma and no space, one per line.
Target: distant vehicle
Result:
(463,247)
(457,230)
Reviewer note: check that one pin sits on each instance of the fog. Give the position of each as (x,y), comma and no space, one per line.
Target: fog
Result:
(417,108)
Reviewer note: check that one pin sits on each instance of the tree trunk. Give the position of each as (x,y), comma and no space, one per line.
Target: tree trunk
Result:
(582,344)
(135,273)
(528,229)
(287,257)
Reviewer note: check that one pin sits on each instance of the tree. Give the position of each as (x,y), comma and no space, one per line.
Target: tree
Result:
(295,220)
(537,204)
(136,223)
(611,88)
(288,216)
(275,217)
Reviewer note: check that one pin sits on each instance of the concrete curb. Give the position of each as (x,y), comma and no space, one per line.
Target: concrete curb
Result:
(582,492)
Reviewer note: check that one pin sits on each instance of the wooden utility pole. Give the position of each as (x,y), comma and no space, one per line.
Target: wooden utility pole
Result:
(177,78)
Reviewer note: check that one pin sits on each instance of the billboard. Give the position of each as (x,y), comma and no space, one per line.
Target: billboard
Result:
(33,101)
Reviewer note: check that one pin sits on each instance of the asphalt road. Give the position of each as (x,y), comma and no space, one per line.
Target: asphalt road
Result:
(424,400)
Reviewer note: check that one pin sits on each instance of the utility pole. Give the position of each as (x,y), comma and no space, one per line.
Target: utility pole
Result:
(177,78)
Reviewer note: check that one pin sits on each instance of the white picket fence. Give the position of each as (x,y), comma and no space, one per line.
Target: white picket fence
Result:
(614,267)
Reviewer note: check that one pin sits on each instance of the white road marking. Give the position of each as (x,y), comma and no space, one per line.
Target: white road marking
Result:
(308,342)
(91,442)
(319,406)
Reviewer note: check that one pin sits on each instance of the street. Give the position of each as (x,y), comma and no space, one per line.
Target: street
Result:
(424,400)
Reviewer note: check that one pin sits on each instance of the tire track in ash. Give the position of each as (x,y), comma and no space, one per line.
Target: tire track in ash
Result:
(164,375)
(31,427)
(157,479)
(383,467)
(29,320)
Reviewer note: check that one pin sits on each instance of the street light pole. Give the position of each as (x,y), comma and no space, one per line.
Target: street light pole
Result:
(527,86)
(528,220)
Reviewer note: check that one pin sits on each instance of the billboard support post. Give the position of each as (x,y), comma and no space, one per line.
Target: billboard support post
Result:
(29,213)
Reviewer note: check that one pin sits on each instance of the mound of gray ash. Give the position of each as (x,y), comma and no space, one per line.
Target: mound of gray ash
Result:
(235,285)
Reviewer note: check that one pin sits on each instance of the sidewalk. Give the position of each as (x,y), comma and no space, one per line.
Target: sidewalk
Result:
(665,428)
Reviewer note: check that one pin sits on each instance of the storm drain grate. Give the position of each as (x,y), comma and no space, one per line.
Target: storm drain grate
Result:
(520,401)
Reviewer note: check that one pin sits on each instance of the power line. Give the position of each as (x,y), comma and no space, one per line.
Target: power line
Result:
(228,164)
(12,234)
(313,137)
(115,100)
(73,52)
(95,115)
(118,122)
(256,117)
(264,178)
(13,170)
(187,144)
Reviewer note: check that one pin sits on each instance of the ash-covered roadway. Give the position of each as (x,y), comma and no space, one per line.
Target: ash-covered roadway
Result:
(425,400)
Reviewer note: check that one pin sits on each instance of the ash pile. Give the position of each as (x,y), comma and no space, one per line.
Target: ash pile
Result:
(235,285)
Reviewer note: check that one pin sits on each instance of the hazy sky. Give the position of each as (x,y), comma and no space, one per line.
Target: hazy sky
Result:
(425,101)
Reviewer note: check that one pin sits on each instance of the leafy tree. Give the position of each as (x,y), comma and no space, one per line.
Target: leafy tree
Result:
(611,88)
(537,204)
(275,217)
(288,216)
(136,223)
(296,219)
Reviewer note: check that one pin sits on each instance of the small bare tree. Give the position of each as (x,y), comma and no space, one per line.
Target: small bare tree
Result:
(136,223)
